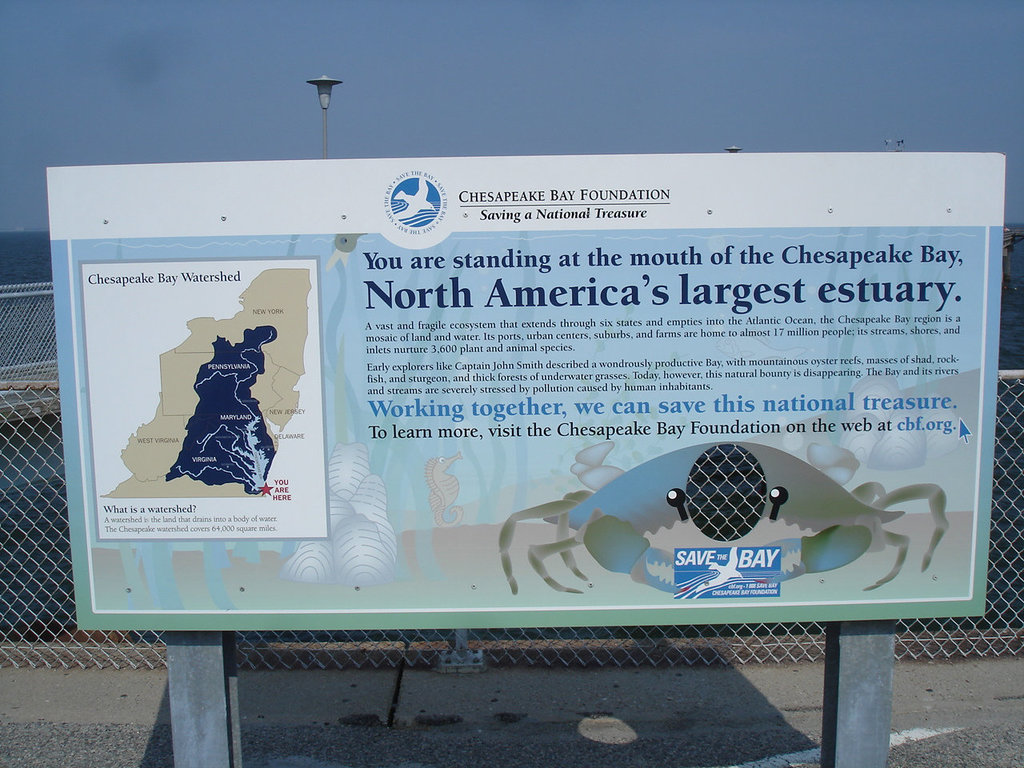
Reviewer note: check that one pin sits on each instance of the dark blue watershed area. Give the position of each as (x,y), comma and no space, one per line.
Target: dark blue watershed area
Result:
(226,439)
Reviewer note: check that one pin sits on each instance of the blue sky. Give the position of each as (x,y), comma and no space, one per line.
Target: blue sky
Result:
(93,82)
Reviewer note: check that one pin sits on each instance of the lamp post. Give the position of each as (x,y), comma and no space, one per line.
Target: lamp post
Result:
(323,88)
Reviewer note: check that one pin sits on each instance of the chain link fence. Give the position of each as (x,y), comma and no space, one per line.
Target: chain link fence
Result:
(37,625)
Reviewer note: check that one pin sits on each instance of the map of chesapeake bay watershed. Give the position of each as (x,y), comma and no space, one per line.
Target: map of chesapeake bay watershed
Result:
(226,439)
(223,392)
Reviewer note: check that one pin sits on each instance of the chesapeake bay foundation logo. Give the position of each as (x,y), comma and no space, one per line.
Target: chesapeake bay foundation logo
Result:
(415,202)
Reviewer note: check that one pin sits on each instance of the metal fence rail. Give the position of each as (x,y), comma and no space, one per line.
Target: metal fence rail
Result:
(36,591)
(28,350)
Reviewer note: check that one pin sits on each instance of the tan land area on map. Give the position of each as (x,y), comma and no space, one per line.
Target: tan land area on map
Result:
(276,297)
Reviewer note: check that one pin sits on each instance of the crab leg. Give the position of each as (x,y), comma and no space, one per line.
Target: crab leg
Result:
(538,553)
(560,508)
(875,495)
(562,532)
(893,540)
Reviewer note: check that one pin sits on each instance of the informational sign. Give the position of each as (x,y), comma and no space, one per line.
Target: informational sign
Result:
(538,391)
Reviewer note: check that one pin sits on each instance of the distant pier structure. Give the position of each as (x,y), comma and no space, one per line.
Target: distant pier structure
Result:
(1011,236)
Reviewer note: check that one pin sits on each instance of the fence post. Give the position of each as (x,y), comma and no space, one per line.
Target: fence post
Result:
(461,658)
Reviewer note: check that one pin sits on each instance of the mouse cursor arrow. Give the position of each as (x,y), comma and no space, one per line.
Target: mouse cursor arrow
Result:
(965,433)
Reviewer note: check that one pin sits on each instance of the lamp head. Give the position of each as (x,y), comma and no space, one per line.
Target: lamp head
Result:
(323,88)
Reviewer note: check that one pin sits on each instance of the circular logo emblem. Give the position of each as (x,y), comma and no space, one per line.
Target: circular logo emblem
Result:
(415,202)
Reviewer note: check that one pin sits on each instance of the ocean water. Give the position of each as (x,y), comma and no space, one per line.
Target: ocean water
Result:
(25,258)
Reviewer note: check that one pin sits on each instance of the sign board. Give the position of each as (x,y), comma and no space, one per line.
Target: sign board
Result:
(529,391)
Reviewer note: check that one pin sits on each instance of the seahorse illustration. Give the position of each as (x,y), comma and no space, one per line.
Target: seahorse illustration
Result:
(444,489)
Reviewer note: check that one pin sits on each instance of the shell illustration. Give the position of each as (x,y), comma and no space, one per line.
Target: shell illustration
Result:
(311,563)
(883,450)
(362,548)
(838,463)
(444,489)
(590,467)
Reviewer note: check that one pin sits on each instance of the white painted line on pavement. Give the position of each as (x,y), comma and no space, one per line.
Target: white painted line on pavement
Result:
(813,756)
(785,761)
(917,734)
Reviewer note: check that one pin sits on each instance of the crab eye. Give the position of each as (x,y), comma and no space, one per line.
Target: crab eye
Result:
(677,500)
(725,492)
(777,496)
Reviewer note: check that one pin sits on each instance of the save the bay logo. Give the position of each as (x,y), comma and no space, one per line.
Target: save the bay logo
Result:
(728,572)
(415,202)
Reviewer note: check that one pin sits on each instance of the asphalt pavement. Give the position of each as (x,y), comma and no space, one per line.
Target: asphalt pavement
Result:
(964,713)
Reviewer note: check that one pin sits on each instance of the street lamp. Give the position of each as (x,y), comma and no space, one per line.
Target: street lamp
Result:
(323,88)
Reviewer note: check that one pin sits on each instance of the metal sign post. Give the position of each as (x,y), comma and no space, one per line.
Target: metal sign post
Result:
(202,678)
(857,702)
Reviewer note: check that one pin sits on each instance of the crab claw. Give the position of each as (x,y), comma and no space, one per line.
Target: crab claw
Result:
(790,564)
(655,569)
(833,548)
(614,544)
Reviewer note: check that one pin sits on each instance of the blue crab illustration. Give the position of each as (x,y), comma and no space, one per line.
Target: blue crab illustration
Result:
(724,490)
